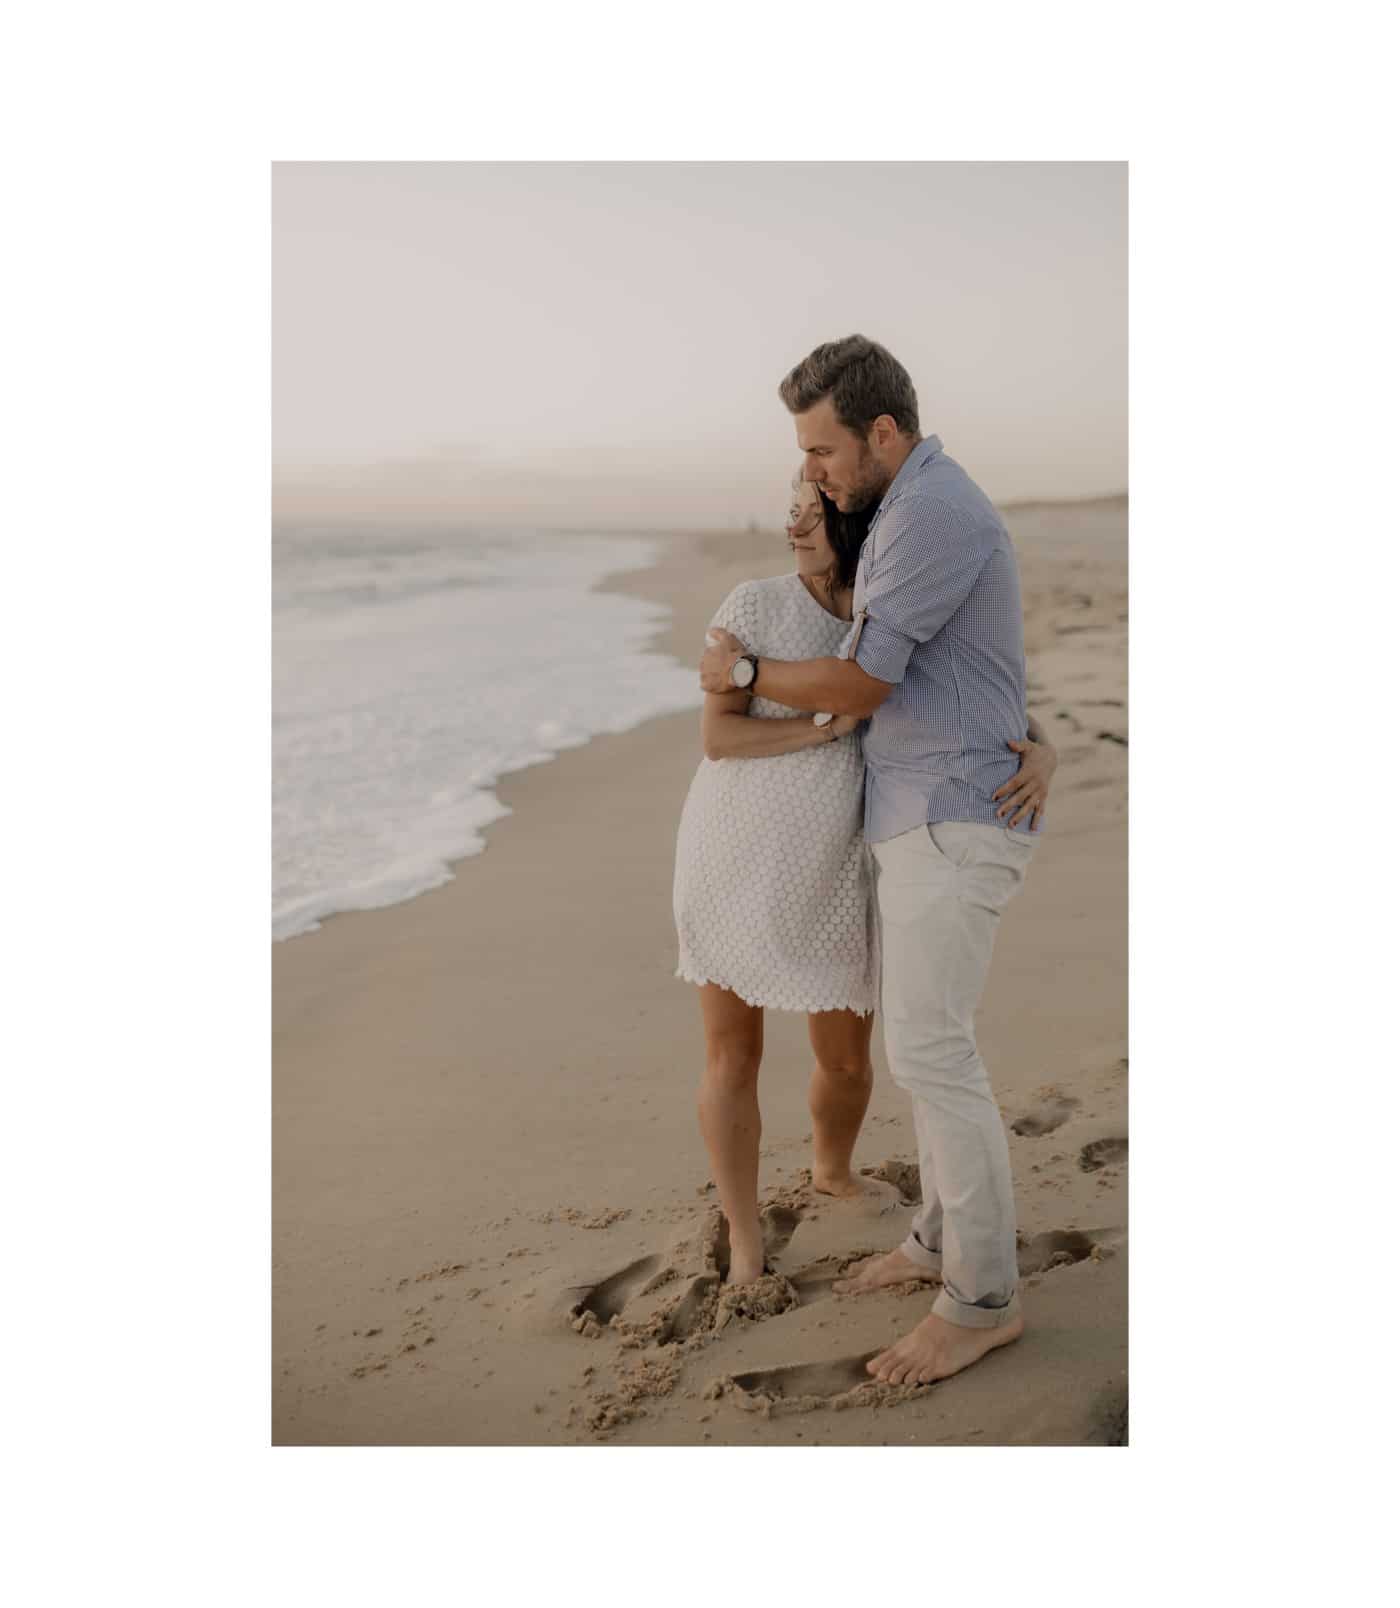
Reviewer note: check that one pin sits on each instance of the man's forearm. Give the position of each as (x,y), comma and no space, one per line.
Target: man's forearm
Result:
(838,686)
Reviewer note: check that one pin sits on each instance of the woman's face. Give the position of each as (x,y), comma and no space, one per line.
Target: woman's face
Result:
(806,531)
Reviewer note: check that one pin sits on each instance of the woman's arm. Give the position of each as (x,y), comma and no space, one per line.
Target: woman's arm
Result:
(730,732)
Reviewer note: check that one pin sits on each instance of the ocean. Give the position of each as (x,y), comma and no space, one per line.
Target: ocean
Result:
(412,670)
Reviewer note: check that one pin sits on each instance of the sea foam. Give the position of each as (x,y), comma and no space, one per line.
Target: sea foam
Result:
(412,672)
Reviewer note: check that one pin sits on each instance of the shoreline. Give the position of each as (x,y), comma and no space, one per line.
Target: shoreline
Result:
(484,1094)
(655,583)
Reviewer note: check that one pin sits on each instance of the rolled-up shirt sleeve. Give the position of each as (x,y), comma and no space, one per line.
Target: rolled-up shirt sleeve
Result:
(925,561)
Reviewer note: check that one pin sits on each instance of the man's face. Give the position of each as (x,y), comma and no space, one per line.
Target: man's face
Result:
(838,460)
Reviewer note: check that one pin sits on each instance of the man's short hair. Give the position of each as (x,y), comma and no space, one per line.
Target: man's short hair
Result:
(863,381)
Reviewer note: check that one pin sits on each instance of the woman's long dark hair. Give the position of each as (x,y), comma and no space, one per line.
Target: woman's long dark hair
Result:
(846,533)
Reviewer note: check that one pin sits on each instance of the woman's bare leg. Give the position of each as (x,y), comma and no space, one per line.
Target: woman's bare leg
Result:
(729,1120)
(838,1095)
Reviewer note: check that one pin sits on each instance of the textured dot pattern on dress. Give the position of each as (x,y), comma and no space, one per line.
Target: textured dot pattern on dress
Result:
(772,890)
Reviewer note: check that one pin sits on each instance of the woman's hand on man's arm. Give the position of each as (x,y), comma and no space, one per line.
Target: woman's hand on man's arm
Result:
(733,734)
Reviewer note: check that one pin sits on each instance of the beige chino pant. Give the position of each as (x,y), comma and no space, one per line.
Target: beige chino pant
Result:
(940,891)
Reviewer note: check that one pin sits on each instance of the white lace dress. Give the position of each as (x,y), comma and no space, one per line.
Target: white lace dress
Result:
(772,893)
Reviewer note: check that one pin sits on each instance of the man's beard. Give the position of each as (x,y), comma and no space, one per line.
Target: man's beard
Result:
(871,482)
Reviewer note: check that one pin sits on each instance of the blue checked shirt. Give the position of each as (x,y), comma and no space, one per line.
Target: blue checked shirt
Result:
(938,613)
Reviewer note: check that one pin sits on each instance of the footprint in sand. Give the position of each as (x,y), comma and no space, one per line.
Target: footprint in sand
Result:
(905,1177)
(1054,1110)
(835,1383)
(813,1283)
(609,1297)
(1063,1247)
(629,1294)
(1102,1153)
(695,1311)
(805,1379)
(666,1299)
(679,1296)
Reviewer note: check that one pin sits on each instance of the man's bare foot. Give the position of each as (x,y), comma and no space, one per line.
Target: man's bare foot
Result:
(937,1349)
(879,1272)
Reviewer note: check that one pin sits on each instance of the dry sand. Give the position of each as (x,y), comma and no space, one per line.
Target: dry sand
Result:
(493,1222)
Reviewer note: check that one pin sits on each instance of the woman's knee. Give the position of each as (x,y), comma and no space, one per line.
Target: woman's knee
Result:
(731,1069)
(848,1070)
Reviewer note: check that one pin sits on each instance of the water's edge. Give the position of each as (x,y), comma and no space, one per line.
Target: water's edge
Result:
(493,810)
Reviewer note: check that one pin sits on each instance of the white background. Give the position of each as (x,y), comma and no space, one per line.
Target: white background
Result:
(136,654)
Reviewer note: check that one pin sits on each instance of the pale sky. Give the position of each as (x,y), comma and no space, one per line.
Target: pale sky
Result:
(601,343)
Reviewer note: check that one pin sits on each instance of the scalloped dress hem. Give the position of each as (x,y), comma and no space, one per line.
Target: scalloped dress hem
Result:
(772,1004)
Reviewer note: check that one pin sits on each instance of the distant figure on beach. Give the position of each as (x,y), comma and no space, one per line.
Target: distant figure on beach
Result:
(934,661)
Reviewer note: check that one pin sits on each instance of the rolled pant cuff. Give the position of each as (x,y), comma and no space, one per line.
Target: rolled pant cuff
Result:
(921,1256)
(952,1310)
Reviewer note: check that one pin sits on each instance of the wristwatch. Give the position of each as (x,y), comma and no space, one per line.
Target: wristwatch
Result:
(743,671)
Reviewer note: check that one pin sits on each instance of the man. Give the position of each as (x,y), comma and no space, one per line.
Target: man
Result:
(934,659)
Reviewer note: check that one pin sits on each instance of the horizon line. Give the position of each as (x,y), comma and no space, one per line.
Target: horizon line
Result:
(737,527)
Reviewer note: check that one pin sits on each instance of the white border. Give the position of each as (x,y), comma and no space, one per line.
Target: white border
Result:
(137,660)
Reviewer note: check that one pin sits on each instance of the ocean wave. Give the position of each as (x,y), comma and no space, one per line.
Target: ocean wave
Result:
(396,708)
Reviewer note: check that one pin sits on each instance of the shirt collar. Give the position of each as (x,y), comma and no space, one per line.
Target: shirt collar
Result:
(925,452)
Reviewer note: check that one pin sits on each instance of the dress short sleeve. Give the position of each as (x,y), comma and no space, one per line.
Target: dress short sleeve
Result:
(739,613)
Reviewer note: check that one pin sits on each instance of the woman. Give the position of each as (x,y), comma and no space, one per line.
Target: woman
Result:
(772,899)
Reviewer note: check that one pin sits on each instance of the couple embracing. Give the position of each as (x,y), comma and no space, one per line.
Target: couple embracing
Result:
(863,815)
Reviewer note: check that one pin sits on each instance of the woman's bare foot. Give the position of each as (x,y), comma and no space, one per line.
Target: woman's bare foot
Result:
(877,1197)
(937,1349)
(879,1272)
(842,1185)
(746,1261)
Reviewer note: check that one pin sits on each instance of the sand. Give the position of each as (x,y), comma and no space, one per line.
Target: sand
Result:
(493,1219)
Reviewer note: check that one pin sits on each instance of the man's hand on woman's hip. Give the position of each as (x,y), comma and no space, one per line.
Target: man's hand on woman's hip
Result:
(1025,794)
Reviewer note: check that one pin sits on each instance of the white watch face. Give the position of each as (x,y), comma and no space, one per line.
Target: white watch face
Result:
(742,672)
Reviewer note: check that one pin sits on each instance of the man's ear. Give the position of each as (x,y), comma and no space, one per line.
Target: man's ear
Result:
(883,431)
